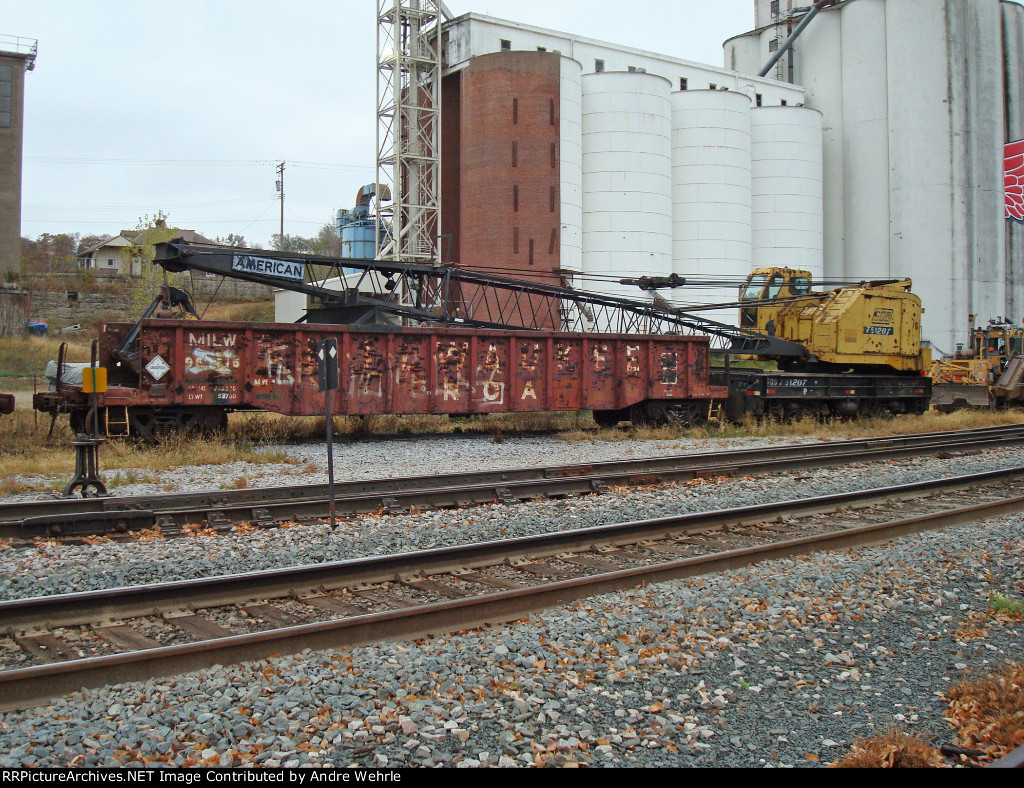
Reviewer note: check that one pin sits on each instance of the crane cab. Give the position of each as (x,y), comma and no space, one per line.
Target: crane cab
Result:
(765,290)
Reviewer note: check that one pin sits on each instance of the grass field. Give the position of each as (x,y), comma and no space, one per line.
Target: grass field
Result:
(21,357)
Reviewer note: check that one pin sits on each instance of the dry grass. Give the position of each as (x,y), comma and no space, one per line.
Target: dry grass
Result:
(25,451)
(808,428)
(990,713)
(274,428)
(896,749)
(252,311)
(29,461)
(21,357)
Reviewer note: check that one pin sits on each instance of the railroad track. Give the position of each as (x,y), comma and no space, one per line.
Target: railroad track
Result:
(267,507)
(55,645)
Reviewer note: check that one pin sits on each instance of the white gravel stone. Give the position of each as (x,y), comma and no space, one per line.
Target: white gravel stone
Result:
(768,679)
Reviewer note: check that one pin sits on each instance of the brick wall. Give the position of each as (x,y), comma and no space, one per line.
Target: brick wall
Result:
(504,191)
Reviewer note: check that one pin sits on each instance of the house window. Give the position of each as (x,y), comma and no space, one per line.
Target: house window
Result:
(599,66)
(785,103)
(506,45)
(515,112)
(773,45)
(515,199)
(542,49)
(712,86)
(684,83)
(775,8)
(758,99)
(110,263)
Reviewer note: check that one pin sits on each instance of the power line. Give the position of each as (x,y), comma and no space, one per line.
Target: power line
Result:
(194,162)
(209,204)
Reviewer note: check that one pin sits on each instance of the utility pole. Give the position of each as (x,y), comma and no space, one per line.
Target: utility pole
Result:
(280,189)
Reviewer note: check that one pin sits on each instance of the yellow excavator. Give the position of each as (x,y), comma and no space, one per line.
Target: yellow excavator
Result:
(988,374)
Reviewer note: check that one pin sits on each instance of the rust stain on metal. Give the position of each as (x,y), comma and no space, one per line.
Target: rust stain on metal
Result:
(273,363)
(491,374)
(669,369)
(451,365)
(367,370)
(411,374)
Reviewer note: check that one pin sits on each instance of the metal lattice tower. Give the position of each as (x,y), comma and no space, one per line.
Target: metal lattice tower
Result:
(409,129)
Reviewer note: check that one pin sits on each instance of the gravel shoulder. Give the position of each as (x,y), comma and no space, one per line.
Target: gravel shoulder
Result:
(778,665)
(386,459)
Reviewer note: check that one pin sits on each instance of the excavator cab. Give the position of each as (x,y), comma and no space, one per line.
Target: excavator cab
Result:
(768,289)
(998,342)
(987,374)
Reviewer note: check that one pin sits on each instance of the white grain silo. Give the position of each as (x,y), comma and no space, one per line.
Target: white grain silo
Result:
(711,195)
(825,80)
(787,218)
(945,105)
(627,180)
(913,95)
(571,165)
(864,91)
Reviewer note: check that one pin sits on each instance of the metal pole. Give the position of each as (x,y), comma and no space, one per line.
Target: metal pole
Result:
(788,43)
(94,398)
(280,188)
(330,460)
(328,375)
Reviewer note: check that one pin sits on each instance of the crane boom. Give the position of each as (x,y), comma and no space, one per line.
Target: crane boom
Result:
(447,295)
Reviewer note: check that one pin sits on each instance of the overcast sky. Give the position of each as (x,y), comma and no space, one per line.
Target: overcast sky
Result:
(186,107)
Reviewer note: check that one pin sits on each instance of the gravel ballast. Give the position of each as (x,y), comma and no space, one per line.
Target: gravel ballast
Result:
(782,664)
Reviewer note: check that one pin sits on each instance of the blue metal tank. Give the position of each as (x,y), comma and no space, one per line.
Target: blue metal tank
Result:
(357,229)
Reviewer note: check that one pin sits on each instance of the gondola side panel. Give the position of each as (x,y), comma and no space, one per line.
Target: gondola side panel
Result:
(598,380)
(452,368)
(529,384)
(410,374)
(566,374)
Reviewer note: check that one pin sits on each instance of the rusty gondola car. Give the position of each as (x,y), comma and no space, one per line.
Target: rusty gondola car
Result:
(190,374)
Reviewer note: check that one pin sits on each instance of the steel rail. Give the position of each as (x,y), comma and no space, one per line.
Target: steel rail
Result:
(1015,760)
(23,687)
(265,506)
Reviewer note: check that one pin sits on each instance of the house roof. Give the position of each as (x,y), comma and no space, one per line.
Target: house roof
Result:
(96,247)
(132,236)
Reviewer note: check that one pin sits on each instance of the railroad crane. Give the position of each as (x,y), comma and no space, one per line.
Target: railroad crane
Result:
(489,334)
